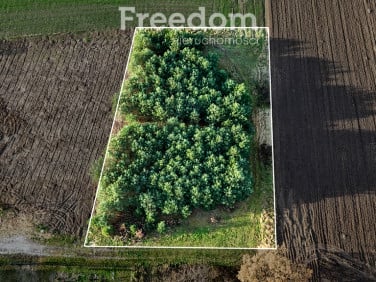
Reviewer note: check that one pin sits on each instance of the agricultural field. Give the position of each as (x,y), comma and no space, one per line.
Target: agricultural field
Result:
(324,109)
(55,123)
(41,17)
(182,163)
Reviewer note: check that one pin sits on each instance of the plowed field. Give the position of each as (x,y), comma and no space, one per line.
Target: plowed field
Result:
(55,119)
(323,57)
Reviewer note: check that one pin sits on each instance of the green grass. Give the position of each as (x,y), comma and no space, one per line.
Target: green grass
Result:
(110,264)
(249,66)
(240,228)
(245,63)
(42,17)
(123,258)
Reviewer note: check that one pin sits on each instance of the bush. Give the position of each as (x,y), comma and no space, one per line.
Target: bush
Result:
(271,266)
(161,228)
(107,230)
(133,229)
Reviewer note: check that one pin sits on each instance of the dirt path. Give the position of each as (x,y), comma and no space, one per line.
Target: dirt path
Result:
(20,244)
(323,56)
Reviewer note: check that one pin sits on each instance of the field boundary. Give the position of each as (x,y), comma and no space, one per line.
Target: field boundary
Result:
(112,128)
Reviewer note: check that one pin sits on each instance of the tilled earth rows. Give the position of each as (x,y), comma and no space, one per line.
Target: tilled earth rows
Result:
(323,56)
(55,119)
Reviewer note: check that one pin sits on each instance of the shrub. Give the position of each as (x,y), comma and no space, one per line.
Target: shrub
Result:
(107,230)
(133,229)
(272,266)
(161,228)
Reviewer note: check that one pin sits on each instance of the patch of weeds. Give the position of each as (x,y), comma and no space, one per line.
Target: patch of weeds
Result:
(61,239)
(114,102)
(95,170)
(86,39)
(4,208)
(41,228)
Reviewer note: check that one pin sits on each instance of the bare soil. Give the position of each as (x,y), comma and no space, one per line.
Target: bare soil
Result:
(323,58)
(55,119)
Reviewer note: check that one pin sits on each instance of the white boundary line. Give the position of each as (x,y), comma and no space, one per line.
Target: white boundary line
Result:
(272,137)
(113,123)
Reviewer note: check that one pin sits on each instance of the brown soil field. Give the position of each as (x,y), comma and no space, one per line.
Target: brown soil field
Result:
(323,58)
(55,118)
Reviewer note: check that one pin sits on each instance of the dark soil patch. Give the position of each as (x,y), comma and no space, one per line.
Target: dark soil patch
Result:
(324,117)
(55,119)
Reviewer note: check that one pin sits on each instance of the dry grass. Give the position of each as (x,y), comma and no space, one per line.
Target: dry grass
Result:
(272,266)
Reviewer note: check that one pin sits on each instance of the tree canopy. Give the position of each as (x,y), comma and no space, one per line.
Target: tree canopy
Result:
(190,145)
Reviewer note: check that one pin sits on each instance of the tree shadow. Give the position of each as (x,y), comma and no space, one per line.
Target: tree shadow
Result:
(322,147)
(324,154)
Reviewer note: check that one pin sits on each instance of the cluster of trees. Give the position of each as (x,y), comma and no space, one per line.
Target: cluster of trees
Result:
(175,80)
(194,149)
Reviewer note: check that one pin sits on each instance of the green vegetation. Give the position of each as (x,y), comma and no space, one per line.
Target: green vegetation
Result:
(194,150)
(141,265)
(128,258)
(214,228)
(118,265)
(22,17)
(185,152)
(95,169)
(248,63)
